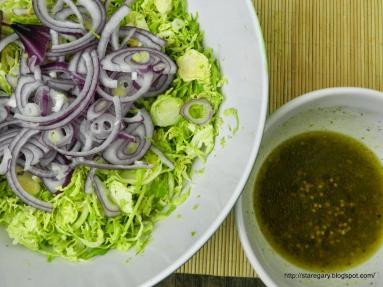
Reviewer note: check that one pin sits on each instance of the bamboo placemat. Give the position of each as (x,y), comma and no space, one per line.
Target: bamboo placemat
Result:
(311,44)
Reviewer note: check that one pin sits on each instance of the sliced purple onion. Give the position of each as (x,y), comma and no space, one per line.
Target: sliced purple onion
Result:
(205,111)
(63,117)
(97,165)
(35,39)
(162,157)
(110,26)
(145,38)
(24,69)
(32,154)
(160,84)
(89,181)
(75,10)
(108,141)
(77,64)
(68,110)
(53,184)
(110,209)
(25,89)
(3,113)
(102,126)
(59,84)
(8,40)
(43,101)
(132,90)
(127,137)
(40,8)
(42,173)
(5,161)
(48,158)
(120,151)
(127,89)
(96,10)
(64,68)
(57,7)
(138,65)
(98,108)
(8,135)
(55,67)
(60,136)
(129,60)
(137,118)
(12,176)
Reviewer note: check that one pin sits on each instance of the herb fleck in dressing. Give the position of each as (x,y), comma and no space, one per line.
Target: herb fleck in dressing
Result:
(319,201)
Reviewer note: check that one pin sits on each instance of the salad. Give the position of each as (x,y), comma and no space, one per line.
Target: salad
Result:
(104,108)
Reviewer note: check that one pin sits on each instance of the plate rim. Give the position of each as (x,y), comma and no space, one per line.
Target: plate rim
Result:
(240,186)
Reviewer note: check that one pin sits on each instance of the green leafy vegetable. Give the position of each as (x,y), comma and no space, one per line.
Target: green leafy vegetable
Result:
(77,229)
(9,65)
(165,111)
(193,65)
(163,6)
(20,11)
(232,112)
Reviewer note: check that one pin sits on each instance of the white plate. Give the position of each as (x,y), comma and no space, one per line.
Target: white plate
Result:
(232,30)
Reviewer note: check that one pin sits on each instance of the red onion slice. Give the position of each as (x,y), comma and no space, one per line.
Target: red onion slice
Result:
(133,90)
(110,26)
(8,40)
(60,136)
(137,118)
(118,152)
(101,127)
(43,100)
(75,11)
(110,209)
(6,159)
(145,38)
(24,69)
(63,117)
(96,10)
(162,157)
(89,181)
(141,60)
(41,11)
(202,115)
(26,86)
(59,84)
(12,176)
(160,84)
(56,121)
(53,184)
(105,144)
(96,165)
(42,173)
(98,108)
(3,113)
(35,39)
(32,154)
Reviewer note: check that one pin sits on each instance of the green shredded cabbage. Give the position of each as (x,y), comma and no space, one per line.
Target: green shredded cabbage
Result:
(193,65)
(77,229)
(27,16)
(232,112)
(9,65)
(165,111)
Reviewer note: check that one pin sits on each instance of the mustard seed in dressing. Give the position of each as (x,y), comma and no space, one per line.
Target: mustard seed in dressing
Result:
(319,201)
